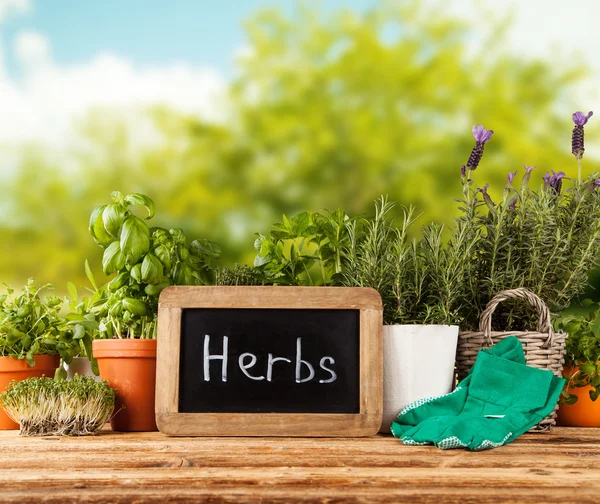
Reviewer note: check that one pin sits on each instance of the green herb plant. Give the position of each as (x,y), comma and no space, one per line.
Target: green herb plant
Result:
(47,407)
(144,260)
(239,275)
(304,249)
(31,325)
(582,351)
(420,282)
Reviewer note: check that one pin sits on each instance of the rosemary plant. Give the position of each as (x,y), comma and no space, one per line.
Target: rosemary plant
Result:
(47,407)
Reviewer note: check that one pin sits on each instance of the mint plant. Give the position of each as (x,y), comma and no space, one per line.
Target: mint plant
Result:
(582,351)
(31,325)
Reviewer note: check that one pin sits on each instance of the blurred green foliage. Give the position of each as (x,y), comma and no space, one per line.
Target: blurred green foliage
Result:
(324,112)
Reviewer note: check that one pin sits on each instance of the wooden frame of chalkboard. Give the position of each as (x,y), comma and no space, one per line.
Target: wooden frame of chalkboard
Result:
(175,301)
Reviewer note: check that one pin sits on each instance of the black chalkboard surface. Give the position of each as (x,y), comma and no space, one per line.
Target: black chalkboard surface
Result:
(269,361)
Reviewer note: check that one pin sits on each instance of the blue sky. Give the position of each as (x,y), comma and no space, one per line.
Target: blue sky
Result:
(206,32)
(60,59)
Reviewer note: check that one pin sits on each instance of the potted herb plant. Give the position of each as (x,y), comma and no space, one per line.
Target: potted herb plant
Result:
(142,261)
(33,337)
(579,405)
(422,285)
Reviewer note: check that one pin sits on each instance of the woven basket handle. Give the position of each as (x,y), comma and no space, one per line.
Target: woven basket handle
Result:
(544,322)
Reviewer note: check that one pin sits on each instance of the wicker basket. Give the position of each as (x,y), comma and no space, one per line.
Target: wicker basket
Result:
(543,348)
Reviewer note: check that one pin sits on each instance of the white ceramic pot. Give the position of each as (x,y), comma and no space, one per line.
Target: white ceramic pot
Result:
(81,366)
(418,362)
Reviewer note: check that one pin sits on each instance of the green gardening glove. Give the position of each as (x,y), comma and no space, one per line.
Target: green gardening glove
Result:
(452,404)
(503,398)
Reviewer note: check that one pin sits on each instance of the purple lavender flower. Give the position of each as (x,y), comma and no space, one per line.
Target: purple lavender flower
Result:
(527,176)
(463,171)
(511,177)
(486,196)
(554,181)
(577,138)
(482,136)
(594,185)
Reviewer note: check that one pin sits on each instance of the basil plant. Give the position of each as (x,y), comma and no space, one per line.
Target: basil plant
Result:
(144,260)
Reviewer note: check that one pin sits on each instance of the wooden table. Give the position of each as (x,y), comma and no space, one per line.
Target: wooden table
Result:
(563,466)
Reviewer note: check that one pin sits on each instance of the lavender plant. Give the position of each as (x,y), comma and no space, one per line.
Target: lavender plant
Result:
(544,239)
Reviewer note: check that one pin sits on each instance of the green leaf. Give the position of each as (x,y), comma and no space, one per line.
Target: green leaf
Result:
(155,290)
(136,272)
(152,269)
(162,252)
(119,281)
(96,227)
(571,399)
(78,331)
(135,239)
(142,200)
(90,275)
(113,217)
(205,248)
(60,373)
(587,368)
(113,259)
(72,291)
(135,306)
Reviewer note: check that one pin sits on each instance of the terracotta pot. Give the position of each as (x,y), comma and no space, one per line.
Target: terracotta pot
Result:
(585,412)
(18,370)
(129,366)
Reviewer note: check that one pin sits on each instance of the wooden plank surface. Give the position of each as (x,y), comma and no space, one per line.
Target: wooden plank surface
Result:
(563,466)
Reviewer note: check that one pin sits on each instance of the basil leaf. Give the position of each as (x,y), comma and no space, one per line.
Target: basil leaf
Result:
(142,200)
(162,252)
(152,269)
(135,239)
(113,259)
(204,247)
(135,306)
(112,217)
(136,273)
(96,227)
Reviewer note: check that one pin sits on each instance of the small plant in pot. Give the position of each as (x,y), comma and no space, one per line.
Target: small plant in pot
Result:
(144,261)
(422,285)
(33,337)
(579,404)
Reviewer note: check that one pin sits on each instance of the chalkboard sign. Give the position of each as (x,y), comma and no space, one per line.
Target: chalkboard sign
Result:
(260,361)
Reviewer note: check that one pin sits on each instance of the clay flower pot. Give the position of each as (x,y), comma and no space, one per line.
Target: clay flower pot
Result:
(18,370)
(585,412)
(129,366)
